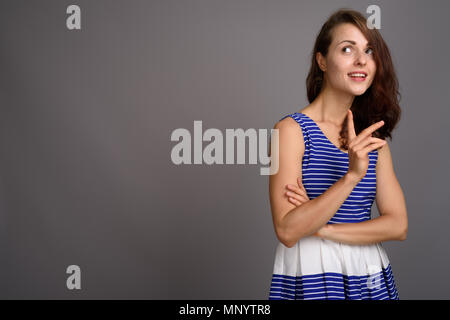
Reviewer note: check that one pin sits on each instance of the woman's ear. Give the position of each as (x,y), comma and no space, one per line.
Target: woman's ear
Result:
(321,61)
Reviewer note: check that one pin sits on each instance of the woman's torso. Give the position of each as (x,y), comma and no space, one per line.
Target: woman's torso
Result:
(323,164)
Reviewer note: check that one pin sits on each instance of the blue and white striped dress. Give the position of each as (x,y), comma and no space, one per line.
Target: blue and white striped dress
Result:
(316,268)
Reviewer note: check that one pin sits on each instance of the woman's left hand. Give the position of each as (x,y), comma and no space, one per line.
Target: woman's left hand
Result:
(297,194)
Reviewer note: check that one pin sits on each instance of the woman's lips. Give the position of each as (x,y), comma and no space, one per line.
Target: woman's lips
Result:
(358,79)
(358,76)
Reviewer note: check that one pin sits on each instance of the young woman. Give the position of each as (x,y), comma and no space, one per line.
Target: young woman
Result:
(333,163)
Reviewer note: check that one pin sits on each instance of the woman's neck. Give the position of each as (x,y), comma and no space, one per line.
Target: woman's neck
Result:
(331,106)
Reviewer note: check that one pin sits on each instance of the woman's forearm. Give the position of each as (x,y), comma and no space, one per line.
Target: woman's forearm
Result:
(308,218)
(382,228)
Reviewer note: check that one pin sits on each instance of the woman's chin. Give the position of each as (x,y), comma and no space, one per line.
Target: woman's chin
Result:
(358,92)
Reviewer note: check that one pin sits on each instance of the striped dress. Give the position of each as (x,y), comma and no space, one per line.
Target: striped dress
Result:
(316,268)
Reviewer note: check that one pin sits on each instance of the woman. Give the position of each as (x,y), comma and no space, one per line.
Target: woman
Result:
(330,248)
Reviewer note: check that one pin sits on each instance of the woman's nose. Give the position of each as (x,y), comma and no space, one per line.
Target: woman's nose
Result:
(361,59)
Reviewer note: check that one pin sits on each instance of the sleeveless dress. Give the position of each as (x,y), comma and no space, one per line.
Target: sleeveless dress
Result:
(316,268)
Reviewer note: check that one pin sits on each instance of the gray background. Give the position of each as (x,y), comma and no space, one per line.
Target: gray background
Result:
(85,124)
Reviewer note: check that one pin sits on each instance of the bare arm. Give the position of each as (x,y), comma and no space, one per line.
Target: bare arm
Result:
(293,223)
(393,221)
(311,216)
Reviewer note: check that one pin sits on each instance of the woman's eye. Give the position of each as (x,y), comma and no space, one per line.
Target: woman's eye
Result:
(344,49)
(348,49)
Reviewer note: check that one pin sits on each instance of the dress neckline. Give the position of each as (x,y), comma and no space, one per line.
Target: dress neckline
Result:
(329,141)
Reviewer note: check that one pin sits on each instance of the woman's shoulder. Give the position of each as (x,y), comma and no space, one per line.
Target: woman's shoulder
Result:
(290,132)
(293,120)
(289,125)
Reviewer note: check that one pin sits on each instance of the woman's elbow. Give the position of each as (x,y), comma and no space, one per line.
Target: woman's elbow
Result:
(289,244)
(402,232)
(285,238)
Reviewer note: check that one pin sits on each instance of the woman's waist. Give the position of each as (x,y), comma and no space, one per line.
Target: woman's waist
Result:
(310,243)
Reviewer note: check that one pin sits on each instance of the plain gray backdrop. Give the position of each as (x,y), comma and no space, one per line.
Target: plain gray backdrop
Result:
(85,153)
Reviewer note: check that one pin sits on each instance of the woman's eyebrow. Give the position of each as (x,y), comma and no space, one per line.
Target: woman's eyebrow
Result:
(352,42)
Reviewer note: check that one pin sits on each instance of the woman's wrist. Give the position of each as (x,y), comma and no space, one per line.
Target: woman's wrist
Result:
(325,231)
(351,178)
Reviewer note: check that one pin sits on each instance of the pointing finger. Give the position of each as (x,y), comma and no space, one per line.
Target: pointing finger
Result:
(368,131)
(350,126)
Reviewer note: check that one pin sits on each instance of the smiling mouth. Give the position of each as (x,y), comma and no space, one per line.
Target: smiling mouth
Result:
(360,75)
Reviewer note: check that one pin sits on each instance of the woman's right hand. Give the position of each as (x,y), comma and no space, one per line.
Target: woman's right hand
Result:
(360,146)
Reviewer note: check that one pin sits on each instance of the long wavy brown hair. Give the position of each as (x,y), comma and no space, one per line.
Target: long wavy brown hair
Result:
(381,100)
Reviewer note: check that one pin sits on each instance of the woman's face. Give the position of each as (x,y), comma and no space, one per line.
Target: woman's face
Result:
(348,53)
